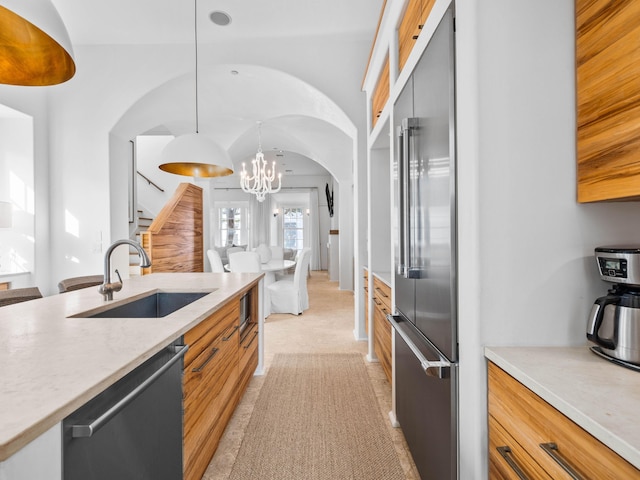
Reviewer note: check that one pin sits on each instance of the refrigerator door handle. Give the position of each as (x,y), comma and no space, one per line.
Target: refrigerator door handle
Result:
(439,368)
(406,160)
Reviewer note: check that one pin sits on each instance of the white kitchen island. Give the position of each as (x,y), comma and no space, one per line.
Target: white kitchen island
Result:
(52,363)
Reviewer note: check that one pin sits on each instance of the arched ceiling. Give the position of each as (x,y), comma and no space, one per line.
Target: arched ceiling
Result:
(295,117)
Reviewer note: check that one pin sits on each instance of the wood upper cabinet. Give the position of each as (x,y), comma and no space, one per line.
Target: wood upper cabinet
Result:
(525,433)
(412,22)
(608,99)
(380,93)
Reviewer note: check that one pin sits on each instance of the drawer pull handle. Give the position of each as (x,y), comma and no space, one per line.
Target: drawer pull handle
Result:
(552,450)
(382,292)
(505,452)
(224,339)
(214,350)
(255,335)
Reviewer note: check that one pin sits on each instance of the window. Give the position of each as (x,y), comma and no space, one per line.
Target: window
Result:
(17,188)
(231,225)
(293,224)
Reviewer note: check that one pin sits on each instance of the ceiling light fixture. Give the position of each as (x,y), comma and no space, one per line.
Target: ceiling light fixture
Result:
(35,49)
(190,155)
(260,181)
(221,19)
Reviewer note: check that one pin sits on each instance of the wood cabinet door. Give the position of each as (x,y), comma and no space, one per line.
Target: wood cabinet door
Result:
(608,99)
(533,423)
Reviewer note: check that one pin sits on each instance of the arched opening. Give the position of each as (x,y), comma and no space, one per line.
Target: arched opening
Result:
(298,121)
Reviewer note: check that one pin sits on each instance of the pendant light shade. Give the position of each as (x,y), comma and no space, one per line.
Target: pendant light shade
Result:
(35,49)
(196,155)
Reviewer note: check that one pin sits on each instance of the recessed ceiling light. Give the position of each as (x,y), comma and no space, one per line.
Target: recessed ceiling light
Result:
(220,18)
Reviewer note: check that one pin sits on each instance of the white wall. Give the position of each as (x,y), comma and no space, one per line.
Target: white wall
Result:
(73,121)
(527,274)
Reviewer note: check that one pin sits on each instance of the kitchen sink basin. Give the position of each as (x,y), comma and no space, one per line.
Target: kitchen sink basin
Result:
(156,305)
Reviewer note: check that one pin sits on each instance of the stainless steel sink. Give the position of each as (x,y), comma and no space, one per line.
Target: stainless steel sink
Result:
(156,305)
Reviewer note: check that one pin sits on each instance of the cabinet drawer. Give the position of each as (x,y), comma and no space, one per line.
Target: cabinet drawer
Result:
(204,432)
(499,467)
(207,377)
(382,295)
(200,337)
(382,341)
(532,422)
(248,356)
(248,345)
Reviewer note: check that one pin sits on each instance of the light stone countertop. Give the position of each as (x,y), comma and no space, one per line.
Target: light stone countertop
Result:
(51,364)
(384,276)
(601,397)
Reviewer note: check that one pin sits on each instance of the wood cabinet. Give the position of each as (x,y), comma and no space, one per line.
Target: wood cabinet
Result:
(248,349)
(525,433)
(410,26)
(381,326)
(608,100)
(217,369)
(380,93)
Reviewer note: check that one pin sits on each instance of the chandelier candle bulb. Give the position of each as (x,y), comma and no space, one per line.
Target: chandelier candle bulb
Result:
(261,179)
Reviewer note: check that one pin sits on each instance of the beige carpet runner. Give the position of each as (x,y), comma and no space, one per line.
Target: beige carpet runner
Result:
(317,418)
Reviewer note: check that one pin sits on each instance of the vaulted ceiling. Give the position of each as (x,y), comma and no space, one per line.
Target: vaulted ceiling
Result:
(300,121)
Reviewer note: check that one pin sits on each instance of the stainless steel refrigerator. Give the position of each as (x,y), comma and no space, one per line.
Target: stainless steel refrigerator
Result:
(426,346)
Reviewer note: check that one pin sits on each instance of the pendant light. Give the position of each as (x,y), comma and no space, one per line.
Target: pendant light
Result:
(261,179)
(191,155)
(35,49)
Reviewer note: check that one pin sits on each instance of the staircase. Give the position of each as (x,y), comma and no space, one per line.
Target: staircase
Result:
(143,220)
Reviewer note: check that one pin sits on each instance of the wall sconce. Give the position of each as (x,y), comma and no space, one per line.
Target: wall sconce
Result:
(307,212)
(275,212)
(6,215)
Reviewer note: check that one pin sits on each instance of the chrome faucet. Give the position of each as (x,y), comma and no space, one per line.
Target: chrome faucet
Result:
(107,288)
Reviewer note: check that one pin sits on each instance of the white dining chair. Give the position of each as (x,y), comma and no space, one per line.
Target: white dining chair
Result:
(291,296)
(215,261)
(244,262)
(277,252)
(289,272)
(231,250)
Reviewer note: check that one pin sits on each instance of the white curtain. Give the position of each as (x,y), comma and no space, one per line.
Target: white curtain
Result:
(314,230)
(260,221)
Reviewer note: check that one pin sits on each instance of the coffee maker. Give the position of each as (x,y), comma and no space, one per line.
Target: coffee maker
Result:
(614,322)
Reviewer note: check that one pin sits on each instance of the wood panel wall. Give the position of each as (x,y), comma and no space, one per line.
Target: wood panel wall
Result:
(174,239)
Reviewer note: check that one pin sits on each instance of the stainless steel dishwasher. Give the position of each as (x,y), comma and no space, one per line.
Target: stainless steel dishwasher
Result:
(132,430)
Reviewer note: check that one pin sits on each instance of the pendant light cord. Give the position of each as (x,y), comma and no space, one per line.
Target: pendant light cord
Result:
(195,29)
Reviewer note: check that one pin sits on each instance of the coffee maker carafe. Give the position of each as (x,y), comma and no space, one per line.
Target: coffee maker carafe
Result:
(614,322)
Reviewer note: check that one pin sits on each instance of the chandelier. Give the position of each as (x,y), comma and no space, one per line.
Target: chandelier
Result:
(260,181)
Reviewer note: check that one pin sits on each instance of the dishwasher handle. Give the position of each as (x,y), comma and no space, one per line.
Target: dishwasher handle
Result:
(438,368)
(85,431)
